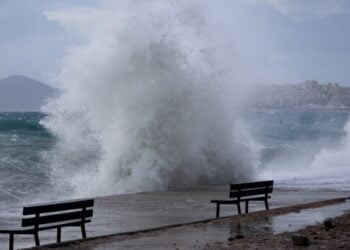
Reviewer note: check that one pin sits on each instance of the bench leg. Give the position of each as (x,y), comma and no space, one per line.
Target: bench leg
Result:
(83,232)
(58,234)
(239,208)
(246,207)
(11,242)
(217,210)
(266,205)
(36,238)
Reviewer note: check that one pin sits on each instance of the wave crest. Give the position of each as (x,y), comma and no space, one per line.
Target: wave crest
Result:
(150,102)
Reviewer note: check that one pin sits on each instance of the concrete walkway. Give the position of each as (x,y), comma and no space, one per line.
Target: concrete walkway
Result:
(201,235)
(131,212)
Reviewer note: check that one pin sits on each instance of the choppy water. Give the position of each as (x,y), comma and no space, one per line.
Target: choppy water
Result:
(303,149)
(290,145)
(23,174)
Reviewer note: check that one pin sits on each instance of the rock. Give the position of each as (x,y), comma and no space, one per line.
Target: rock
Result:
(239,236)
(299,240)
(328,223)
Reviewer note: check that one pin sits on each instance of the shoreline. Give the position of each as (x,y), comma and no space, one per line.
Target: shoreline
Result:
(256,240)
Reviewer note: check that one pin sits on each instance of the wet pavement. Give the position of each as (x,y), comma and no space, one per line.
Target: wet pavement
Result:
(130,212)
(198,235)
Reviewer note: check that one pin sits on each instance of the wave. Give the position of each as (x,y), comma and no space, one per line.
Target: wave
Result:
(314,155)
(21,122)
(151,101)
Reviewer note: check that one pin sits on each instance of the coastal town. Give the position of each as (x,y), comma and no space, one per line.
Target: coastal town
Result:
(306,95)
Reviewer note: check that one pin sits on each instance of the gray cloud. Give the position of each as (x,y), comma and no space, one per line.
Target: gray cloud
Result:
(35,35)
(30,43)
(301,8)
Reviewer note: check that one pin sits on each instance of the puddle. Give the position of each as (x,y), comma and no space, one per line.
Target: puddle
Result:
(290,222)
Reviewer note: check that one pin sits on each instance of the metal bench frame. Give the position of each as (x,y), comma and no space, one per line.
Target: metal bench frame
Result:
(53,216)
(245,192)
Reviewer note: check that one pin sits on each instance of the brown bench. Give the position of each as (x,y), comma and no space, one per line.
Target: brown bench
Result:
(53,216)
(245,192)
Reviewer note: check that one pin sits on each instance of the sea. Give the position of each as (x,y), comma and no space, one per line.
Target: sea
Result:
(24,177)
(299,149)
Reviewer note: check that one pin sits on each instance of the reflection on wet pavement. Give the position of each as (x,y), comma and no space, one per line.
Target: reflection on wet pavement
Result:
(289,222)
(197,236)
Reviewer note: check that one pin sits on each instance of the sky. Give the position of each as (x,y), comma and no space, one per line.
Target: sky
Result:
(280,41)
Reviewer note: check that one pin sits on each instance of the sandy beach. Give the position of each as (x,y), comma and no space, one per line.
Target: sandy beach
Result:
(138,212)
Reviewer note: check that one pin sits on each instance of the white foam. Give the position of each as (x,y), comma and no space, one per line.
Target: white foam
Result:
(151,100)
(328,170)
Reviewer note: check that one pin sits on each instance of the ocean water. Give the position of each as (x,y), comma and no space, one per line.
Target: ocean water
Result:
(24,177)
(303,149)
(298,149)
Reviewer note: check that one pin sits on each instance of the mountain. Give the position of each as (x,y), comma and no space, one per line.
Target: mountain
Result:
(21,93)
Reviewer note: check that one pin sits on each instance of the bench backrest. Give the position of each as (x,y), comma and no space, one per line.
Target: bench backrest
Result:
(78,211)
(251,189)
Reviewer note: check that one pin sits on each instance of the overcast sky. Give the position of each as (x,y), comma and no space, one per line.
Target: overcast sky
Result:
(281,41)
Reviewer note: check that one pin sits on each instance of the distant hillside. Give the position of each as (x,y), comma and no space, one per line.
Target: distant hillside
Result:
(306,95)
(21,93)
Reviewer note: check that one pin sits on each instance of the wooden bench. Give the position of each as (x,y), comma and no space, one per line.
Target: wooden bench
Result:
(245,192)
(53,216)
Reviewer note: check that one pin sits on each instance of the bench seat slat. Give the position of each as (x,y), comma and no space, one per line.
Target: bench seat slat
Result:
(54,207)
(235,201)
(68,224)
(18,231)
(224,201)
(250,192)
(245,192)
(252,185)
(31,230)
(53,218)
(256,199)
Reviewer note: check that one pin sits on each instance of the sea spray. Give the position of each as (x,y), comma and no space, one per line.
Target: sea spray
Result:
(304,149)
(332,164)
(151,100)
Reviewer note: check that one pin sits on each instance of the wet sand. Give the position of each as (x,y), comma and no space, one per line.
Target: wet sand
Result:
(125,213)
